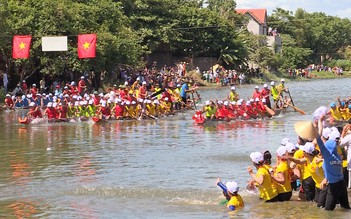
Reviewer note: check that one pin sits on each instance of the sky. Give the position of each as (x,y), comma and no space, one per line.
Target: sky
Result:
(340,8)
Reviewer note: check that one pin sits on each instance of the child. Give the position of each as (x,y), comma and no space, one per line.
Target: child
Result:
(230,191)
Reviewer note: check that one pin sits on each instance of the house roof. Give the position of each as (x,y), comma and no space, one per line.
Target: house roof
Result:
(258,14)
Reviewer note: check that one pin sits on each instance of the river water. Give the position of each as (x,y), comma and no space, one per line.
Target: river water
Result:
(148,169)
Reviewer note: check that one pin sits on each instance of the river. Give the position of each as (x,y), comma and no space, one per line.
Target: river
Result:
(163,168)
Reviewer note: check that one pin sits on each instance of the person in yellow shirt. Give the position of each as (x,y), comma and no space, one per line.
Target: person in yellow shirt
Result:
(314,166)
(231,192)
(275,94)
(281,175)
(335,112)
(262,178)
(233,95)
(308,185)
(209,109)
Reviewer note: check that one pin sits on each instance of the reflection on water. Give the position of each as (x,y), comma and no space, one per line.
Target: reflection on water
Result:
(162,168)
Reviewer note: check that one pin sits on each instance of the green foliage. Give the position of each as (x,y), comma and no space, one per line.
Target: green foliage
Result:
(344,64)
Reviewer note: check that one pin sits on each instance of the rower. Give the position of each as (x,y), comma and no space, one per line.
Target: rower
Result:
(256,93)
(233,95)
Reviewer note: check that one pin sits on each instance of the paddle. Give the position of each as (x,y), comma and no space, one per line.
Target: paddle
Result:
(156,93)
(192,94)
(297,109)
(292,102)
(269,110)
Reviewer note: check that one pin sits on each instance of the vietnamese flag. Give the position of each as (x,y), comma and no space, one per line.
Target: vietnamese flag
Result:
(21,46)
(86,46)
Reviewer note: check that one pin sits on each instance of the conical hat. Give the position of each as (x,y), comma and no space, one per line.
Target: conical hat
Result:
(306,130)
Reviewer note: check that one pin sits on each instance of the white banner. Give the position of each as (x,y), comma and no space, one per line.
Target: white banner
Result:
(54,43)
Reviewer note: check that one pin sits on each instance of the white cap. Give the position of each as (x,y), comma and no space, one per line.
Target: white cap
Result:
(126,83)
(133,102)
(103,104)
(82,77)
(257,99)
(207,102)
(91,102)
(285,141)
(32,104)
(256,157)
(282,80)
(326,132)
(256,87)
(281,151)
(232,186)
(290,147)
(265,85)
(308,148)
(138,79)
(34,85)
(49,104)
(252,100)
(334,135)
(8,95)
(263,100)
(73,83)
(272,83)
(233,88)
(156,101)
(166,99)
(144,82)
(54,104)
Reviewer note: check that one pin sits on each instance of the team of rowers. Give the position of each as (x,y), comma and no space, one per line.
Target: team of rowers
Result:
(258,106)
(321,161)
(341,111)
(134,101)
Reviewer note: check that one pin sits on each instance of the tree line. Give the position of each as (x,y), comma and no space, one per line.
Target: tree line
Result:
(128,30)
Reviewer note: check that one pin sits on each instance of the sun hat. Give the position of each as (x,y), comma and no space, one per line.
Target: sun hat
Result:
(305,130)
(256,157)
(281,151)
(232,186)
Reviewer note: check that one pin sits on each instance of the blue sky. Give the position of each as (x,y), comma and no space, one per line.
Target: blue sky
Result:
(340,8)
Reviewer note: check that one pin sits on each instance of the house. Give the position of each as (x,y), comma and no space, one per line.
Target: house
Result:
(257,20)
(257,24)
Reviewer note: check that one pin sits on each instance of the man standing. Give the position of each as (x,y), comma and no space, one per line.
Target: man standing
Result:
(265,92)
(184,89)
(6,82)
(275,95)
(81,86)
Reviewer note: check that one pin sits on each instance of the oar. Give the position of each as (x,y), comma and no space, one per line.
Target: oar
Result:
(292,102)
(156,93)
(269,110)
(192,94)
(297,109)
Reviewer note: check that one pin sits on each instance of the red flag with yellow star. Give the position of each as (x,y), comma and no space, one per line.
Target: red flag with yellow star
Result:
(21,46)
(86,46)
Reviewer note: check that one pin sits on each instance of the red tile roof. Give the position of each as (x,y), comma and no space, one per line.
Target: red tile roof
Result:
(258,14)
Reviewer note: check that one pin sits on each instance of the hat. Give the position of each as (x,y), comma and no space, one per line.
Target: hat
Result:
(257,99)
(282,80)
(305,130)
(331,147)
(265,85)
(166,99)
(281,151)
(225,103)
(309,148)
(34,85)
(50,104)
(232,187)
(8,95)
(82,77)
(285,141)
(73,83)
(290,147)
(263,100)
(138,79)
(326,132)
(65,87)
(332,105)
(233,88)
(252,100)
(126,83)
(32,104)
(144,82)
(207,102)
(334,135)
(256,87)
(54,104)
(272,83)
(256,157)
